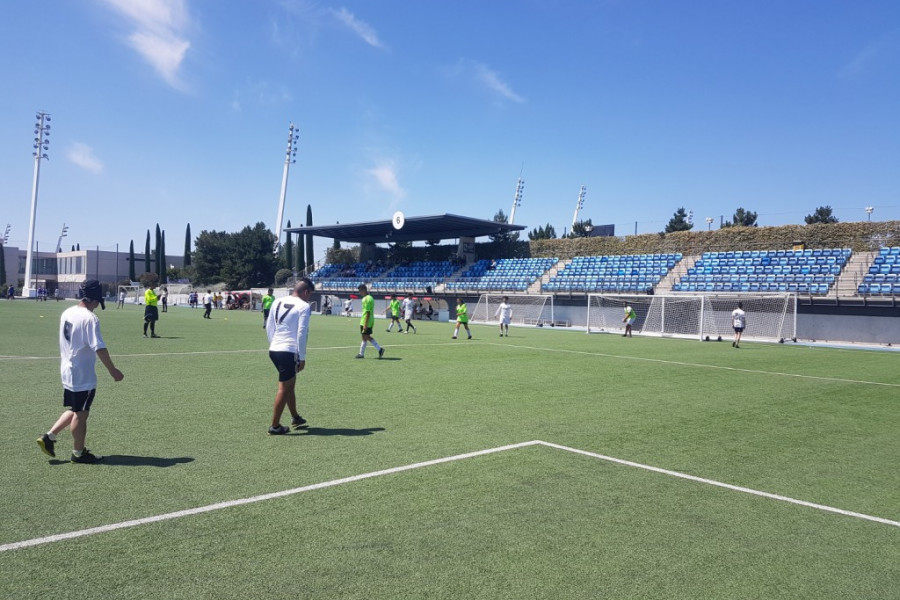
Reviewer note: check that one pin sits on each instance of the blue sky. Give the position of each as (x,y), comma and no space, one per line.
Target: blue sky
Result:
(177,111)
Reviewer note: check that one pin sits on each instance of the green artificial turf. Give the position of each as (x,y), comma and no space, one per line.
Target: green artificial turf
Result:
(186,428)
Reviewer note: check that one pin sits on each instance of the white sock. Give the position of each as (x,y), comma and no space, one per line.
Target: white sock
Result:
(52,436)
(362,347)
(374,343)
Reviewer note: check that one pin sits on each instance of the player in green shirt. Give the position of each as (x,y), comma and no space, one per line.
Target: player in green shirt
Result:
(462,318)
(367,322)
(630,316)
(267,301)
(395,314)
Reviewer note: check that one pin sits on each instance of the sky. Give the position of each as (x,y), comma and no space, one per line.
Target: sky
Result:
(176,112)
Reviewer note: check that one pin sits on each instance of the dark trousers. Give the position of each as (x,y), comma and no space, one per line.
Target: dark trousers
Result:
(208,308)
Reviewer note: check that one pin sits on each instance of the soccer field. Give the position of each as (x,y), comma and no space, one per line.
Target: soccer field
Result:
(549,464)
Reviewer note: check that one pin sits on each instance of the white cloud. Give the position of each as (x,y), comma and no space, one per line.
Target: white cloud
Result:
(870,55)
(363,30)
(385,177)
(83,156)
(159,33)
(489,79)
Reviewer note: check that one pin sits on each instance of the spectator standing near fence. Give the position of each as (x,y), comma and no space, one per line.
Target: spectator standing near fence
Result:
(80,345)
(287,328)
(462,318)
(207,304)
(738,322)
(165,299)
(367,322)
(504,311)
(151,311)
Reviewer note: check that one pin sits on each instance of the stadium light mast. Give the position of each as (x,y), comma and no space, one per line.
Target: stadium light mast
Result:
(6,234)
(41,145)
(62,234)
(709,222)
(290,157)
(579,205)
(869,210)
(517,200)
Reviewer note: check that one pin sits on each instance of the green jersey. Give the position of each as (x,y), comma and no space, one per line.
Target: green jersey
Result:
(395,308)
(368,308)
(267,301)
(462,313)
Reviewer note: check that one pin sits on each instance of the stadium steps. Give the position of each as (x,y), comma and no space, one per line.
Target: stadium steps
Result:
(675,275)
(441,288)
(535,287)
(852,275)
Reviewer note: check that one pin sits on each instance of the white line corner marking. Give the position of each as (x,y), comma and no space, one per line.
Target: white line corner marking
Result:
(318,486)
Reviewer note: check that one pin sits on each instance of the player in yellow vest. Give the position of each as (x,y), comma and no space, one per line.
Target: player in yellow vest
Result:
(151,312)
(267,301)
(630,316)
(462,318)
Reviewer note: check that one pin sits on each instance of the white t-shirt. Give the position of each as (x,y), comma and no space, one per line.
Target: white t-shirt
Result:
(288,326)
(505,312)
(739,318)
(79,340)
(207,299)
(407,306)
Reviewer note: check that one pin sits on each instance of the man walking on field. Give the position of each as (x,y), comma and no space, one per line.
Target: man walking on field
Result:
(367,322)
(80,345)
(408,308)
(739,322)
(288,329)
(630,316)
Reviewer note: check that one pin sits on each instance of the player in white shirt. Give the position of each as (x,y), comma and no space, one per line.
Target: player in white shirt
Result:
(505,313)
(408,305)
(207,304)
(739,322)
(80,345)
(287,329)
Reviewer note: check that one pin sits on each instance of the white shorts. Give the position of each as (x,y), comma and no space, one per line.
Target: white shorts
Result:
(408,315)
(504,320)
(629,322)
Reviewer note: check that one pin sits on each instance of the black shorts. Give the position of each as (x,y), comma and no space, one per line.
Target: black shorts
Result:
(738,329)
(363,330)
(266,314)
(78,401)
(151,313)
(285,363)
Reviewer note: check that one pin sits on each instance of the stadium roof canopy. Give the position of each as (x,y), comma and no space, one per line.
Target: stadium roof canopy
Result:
(415,229)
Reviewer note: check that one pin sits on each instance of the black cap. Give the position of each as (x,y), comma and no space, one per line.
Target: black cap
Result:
(91,290)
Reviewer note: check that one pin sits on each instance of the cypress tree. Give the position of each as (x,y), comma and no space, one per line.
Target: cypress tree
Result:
(159,258)
(131,273)
(187,246)
(147,253)
(2,266)
(289,250)
(301,253)
(310,259)
(164,277)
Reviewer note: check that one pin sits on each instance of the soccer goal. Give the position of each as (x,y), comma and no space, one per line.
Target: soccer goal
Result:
(526,309)
(770,317)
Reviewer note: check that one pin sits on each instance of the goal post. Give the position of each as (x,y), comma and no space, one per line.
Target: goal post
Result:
(770,317)
(527,309)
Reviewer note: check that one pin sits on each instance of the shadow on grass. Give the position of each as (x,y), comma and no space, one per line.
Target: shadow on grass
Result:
(326,431)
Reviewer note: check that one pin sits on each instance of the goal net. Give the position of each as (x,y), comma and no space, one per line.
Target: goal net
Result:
(526,309)
(770,317)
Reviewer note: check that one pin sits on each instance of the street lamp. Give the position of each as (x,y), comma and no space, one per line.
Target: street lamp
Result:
(41,145)
(709,221)
(869,210)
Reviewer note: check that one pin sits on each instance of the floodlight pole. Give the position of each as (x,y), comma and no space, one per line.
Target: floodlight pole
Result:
(517,200)
(578,206)
(290,157)
(869,210)
(41,145)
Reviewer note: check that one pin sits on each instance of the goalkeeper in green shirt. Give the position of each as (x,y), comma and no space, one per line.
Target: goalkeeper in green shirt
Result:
(367,322)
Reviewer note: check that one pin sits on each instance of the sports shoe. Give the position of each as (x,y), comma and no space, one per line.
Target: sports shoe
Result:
(86,457)
(280,430)
(469,338)
(380,352)
(145,335)
(359,356)
(154,336)
(298,422)
(46,445)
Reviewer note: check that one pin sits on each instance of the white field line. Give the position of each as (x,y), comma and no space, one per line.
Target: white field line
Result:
(698,365)
(318,486)
(728,486)
(271,496)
